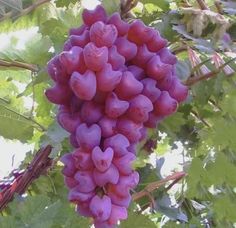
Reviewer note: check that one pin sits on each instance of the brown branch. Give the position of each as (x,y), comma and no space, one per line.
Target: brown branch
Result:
(27,66)
(196,115)
(155,185)
(202,4)
(39,165)
(25,11)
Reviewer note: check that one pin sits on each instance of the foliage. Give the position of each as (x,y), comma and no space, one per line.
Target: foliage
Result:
(205,124)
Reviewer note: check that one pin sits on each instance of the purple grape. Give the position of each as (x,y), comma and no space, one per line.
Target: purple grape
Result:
(69,165)
(150,90)
(178,91)
(111,175)
(100,207)
(108,126)
(85,182)
(130,129)
(139,33)
(139,108)
(67,120)
(129,86)
(71,60)
(124,163)
(59,94)
(107,79)
(80,40)
(156,43)
(83,160)
(118,143)
(102,160)
(115,59)
(94,57)
(102,34)
(121,26)
(137,72)
(84,85)
(91,112)
(88,137)
(92,16)
(115,107)
(76,196)
(165,104)
(117,213)
(157,69)
(126,48)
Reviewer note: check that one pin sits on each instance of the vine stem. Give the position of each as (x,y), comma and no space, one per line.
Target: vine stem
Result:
(39,165)
(18,64)
(155,185)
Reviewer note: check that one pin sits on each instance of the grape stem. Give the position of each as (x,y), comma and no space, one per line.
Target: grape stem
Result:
(39,165)
(155,185)
(27,66)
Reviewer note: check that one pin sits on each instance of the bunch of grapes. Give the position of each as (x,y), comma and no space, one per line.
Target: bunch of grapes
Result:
(113,80)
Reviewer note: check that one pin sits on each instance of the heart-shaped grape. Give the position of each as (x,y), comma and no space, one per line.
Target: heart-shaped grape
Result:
(108,79)
(102,160)
(102,34)
(84,85)
(115,107)
(94,57)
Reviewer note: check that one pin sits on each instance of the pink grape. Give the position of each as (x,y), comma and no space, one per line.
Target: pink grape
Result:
(91,112)
(92,16)
(139,108)
(121,26)
(115,107)
(88,136)
(94,57)
(101,207)
(108,79)
(129,86)
(126,48)
(83,159)
(165,104)
(80,40)
(102,160)
(111,175)
(118,143)
(85,182)
(84,85)
(124,163)
(102,34)
(108,126)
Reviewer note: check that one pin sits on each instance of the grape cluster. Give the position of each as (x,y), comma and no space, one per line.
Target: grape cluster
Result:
(113,80)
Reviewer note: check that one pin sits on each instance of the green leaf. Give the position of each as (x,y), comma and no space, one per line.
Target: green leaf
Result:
(111,6)
(14,126)
(163,4)
(137,220)
(61,3)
